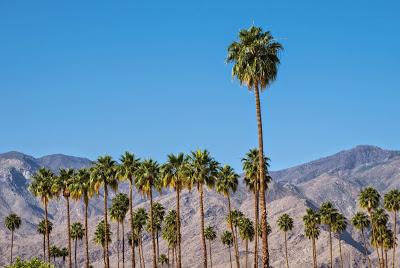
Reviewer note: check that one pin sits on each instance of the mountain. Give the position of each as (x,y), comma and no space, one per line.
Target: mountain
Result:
(337,178)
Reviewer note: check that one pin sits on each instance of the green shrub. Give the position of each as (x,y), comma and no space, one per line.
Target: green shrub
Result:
(33,263)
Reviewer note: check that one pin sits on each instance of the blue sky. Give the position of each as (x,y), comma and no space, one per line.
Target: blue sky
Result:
(92,77)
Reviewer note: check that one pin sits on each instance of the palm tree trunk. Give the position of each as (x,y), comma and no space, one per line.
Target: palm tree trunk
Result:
(203,239)
(104,256)
(386,259)
(178,227)
(256,212)
(365,249)
(153,242)
(373,234)
(169,257)
(141,252)
(235,245)
(383,257)
(340,251)
(131,220)
(117,244)
(12,244)
(247,252)
(379,259)
(69,233)
(265,254)
(158,245)
(176,255)
(330,245)
(123,245)
(105,226)
(394,239)
(76,246)
(286,252)
(209,245)
(314,254)
(230,256)
(47,231)
(86,234)
(44,247)
(173,257)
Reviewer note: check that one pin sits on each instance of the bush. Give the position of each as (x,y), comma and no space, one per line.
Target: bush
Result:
(33,263)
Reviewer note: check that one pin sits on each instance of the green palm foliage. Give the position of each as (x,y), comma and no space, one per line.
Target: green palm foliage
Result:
(361,222)
(12,223)
(210,235)
(169,232)
(174,174)
(285,224)
(61,186)
(119,209)
(102,236)
(226,183)
(104,174)
(139,222)
(312,231)
(391,202)
(77,233)
(338,226)
(54,252)
(126,171)
(41,186)
(233,219)
(227,240)
(379,221)
(41,229)
(147,179)
(255,64)
(328,215)
(32,263)
(163,260)
(81,188)
(203,171)
(158,217)
(246,232)
(64,254)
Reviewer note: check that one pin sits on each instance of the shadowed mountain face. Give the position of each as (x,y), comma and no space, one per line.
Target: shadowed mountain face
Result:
(337,178)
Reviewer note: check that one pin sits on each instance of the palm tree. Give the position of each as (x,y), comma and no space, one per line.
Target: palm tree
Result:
(391,202)
(369,199)
(127,169)
(63,253)
(328,216)
(12,223)
(360,221)
(147,178)
(311,221)
(140,218)
(169,232)
(246,231)
(338,226)
(227,240)
(41,186)
(77,233)
(81,188)
(101,235)
(158,217)
(210,235)
(234,220)
(61,186)
(104,174)
(41,229)
(226,183)
(174,173)
(285,223)
(163,259)
(203,171)
(133,240)
(118,210)
(54,252)
(388,243)
(252,172)
(378,222)
(255,59)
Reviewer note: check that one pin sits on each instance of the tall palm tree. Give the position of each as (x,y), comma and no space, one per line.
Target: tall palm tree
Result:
(285,223)
(63,254)
(126,170)
(361,222)
(61,186)
(55,252)
(388,244)
(140,219)
(252,172)
(255,59)
(391,202)
(338,226)
(148,178)
(158,217)
(77,233)
(133,240)
(378,221)
(41,186)
(101,235)
(41,229)
(328,216)
(169,232)
(203,171)
(210,235)
(246,231)
(81,188)
(119,209)
(311,228)
(234,220)
(12,223)
(104,174)
(174,173)
(227,240)
(369,199)
(226,183)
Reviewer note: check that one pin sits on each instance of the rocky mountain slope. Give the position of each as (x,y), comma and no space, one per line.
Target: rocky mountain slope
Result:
(337,178)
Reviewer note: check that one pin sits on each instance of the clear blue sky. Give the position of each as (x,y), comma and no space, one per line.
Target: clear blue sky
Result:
(94,77)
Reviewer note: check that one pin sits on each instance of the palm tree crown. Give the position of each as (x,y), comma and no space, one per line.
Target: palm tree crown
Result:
(285,223)
(12,222)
